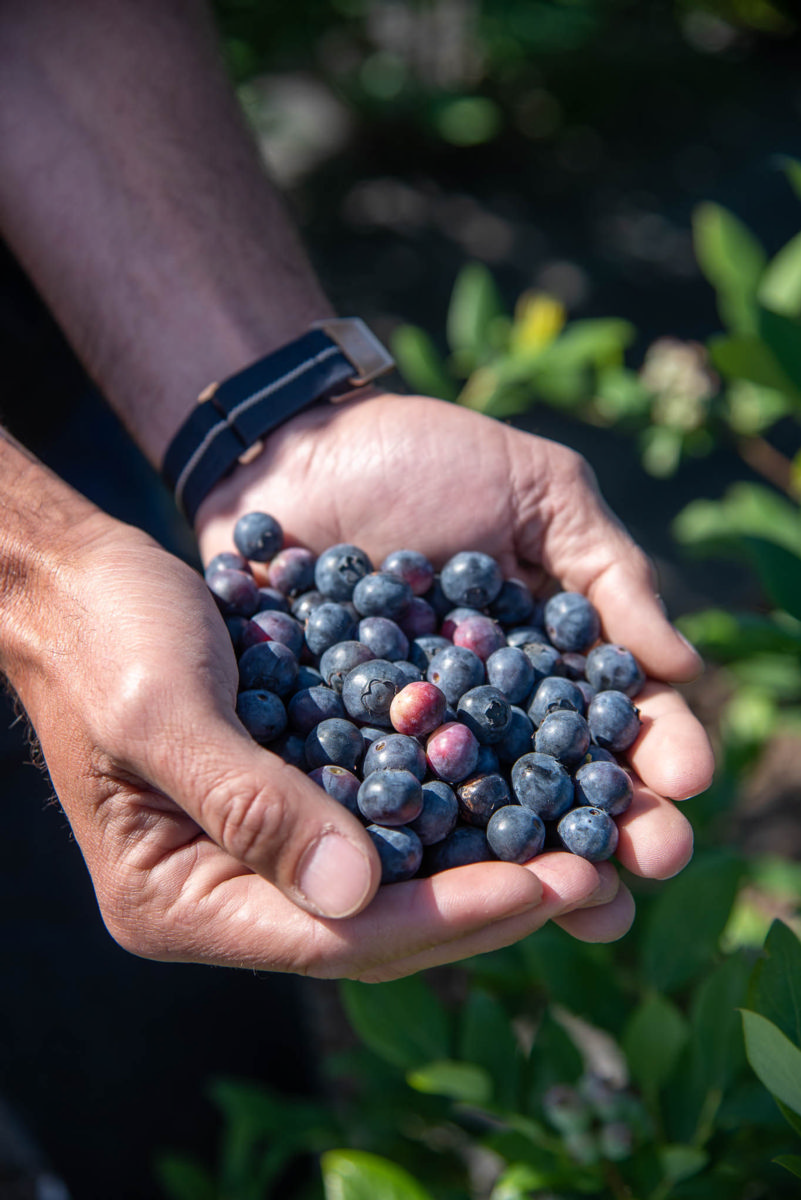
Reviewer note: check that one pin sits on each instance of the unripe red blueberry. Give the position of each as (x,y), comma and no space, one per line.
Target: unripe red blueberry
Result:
(417,709)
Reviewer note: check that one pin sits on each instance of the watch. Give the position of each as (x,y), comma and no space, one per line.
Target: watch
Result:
(231,418)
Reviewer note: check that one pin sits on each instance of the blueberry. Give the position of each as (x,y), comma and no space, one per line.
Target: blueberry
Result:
(328,624)
(527,635)
(423,649)
(598,754)
(229,561)
(604,785)
(339,659)
(262,714)
(546,660)
(258,536)
(384,637)
(437,598)
(334,741)
(412,567)
(587,691)
(480,796)
(280,627)
(452,752)
(339,569)
(572,622)
(518,739)
(480,634)
(439,813)
(310,706)
(292,571)
(588,832)
(552,693)
(369,734)
(542,784)
(381,595)
(614,721)
(399,850)
(268,665)
(471,578)
(613,668)
(509,670)
(341,785)
(467,844)
(514,604)
(235,593)
(291,748)
(418,709)
(408,672)
(306,604)
(573,665)
(419,619)
(516,834)
(308,677)
(391,797)
(455,671)
(271,600)
(564,734)
(368,691)
(236,627)
(485,711)
(488,761)
(456,617)
(395,751)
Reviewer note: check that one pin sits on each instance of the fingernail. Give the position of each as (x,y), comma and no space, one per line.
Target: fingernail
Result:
(334,876)
(687,643)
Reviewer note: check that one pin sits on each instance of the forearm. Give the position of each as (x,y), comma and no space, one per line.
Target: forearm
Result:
(132,193)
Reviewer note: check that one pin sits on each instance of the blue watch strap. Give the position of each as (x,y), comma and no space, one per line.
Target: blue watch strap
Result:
(246,407)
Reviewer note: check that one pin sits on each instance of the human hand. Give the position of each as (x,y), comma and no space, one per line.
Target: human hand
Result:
(389,471)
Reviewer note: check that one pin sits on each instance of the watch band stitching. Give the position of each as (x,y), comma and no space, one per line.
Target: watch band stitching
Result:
(241,407)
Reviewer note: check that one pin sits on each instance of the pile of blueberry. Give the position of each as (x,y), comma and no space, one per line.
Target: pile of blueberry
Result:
(457,716)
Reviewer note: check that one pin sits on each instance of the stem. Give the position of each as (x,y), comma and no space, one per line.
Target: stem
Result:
(769,462)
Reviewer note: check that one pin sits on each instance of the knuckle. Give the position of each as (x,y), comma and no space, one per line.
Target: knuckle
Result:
(254,824)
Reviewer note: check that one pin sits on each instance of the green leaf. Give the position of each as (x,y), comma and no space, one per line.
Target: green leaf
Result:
(792,1118)
(716,1045)
(402,1022)
(682,1162)
(779,572)
(653,1040)
(661,450)
(598,342)
(746,357)
(792,169)
(474,306)
(751,409)
(780,286)
(733,637)
(683,929)
(457,1080)
(519,1180)
(792,1162)
(487,1039)
(783,337)
(357,1175)
(775,988)
(732,260)
(420,364)
(184,1179)
(745,509)
(774,1058)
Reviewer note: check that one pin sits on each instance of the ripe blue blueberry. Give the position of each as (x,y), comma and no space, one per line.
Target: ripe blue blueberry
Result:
(604,785)
(509,670)
(486,712)
(471,578)
(395,751)
(423,649)
(588,832)
(235,593)
(439,813)
(292,571)
(271,600)
(341,785)
(309,707)
(399,850)
(228,560)
(564,734)
(545,659)
(525,635)
(305,605)
(518,739)
(514,604)
(326,625)
(390,797)
(268,665)
(467,844)
(258,536)
(455,671)
(554,692)
(381,595)
(280,627)
(339,659)
(408,672)
(516,834)
(613,668)
(571,622)
(339,569)
(334,741)
(542,784)
(614,721)
(262,714)
(291,748)
(412,567)
(369,689)
(384,637)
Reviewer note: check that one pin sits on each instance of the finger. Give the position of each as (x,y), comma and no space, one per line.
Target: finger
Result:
(655,840)
(672,753)
(266,815)
(605,924)
(583,545)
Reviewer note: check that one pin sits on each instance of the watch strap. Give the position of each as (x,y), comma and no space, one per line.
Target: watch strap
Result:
(232,417)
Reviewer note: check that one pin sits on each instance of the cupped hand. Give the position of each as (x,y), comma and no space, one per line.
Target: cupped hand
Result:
(388,472)
(204,847)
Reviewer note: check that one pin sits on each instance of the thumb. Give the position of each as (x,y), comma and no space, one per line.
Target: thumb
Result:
(268,816)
